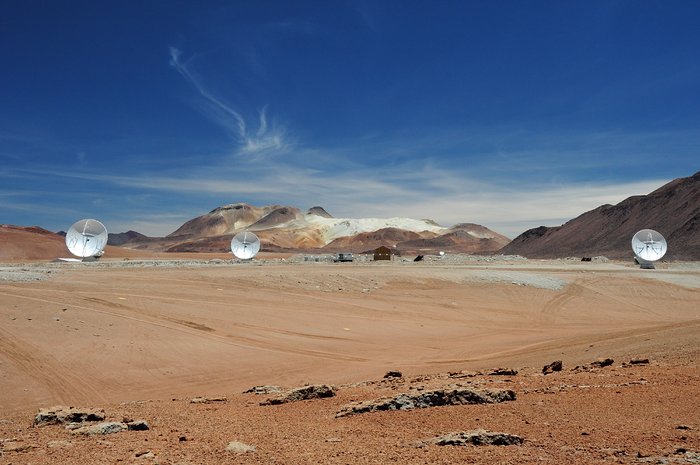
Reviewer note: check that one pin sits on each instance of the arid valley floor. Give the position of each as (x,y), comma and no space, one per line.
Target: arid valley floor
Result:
(141,338)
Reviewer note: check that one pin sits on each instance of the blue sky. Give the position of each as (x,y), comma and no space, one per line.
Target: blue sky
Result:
(509,114)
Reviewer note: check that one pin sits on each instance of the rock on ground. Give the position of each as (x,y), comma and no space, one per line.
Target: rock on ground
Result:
(61,414)
(107,427)
(602,362)
(556,365)
(434,398)
(478,437)
(207,400)
(239,447)
(263,390)
(314,391)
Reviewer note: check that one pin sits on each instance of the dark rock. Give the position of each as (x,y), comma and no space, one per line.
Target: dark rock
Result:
(556,365)
(314,391)
(503,372)
(393,374)
(478,437)
(639,361)
(61,414)
(435,398)
(138,425)
(602,362)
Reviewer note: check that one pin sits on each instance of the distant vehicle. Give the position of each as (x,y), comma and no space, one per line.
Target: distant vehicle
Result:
(343,257)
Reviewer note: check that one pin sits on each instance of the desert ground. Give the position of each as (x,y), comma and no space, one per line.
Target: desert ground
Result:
(141,337)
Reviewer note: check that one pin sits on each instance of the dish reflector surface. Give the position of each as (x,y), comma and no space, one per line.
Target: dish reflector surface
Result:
(86,238)
(245,245)
(649,245)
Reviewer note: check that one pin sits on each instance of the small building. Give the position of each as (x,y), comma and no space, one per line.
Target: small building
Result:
(382,253)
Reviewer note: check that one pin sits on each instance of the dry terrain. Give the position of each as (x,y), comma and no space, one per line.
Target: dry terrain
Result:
(140,338)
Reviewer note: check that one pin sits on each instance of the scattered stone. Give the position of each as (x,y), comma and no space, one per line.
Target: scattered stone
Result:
(503,372)
(263,390)
(239,447)
(602,362)
(639,361)
(393,374)
(62,414)
(478,437)
(107,427)
(333,440)
(207,400)
(138,425)
(462,374)
(556,365)
(145,454)
(683,427)
(59,444)
(16,446)
(435,398)
(313,391)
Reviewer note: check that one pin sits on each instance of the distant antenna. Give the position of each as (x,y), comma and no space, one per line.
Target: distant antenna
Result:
(245,245)
(87,238)
(648,246)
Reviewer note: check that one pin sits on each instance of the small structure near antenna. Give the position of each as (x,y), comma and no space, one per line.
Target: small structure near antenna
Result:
(87,239)
(245,245)
(382,253)
(648,246)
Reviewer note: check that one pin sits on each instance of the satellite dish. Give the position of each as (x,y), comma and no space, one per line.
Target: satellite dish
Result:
(245,245)
(87,238)
(648,246)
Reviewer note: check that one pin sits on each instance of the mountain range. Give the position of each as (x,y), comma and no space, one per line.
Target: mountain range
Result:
(286,228)
(673,210)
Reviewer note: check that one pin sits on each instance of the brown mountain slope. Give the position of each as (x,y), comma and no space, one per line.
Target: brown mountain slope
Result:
(223,220)
(673,210)
(20,243)
(276,217)
(371,240)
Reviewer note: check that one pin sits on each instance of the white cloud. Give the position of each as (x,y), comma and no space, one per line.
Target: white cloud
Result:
(264,141)
(446,196)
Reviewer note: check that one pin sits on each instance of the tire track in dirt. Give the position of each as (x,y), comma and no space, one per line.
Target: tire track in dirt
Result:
(46,370)
(556,304)
(196,329)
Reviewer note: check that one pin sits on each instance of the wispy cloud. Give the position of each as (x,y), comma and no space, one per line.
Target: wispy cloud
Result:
(268,138)
(401,191)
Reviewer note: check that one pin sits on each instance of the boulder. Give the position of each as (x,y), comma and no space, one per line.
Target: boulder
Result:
(313,391)
(478,437)
(138,425)
(503,372)
(425,399)
(602,362)
(556,365)
(263,390)
(61,414)
(106,427)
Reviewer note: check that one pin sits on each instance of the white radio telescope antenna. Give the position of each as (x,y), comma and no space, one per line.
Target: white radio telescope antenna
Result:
(245,245)
(648,246)
(87,238)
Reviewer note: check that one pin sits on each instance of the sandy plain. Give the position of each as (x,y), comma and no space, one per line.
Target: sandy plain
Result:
(140,338)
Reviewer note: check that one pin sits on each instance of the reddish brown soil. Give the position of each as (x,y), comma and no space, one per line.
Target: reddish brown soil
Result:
(140,341)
